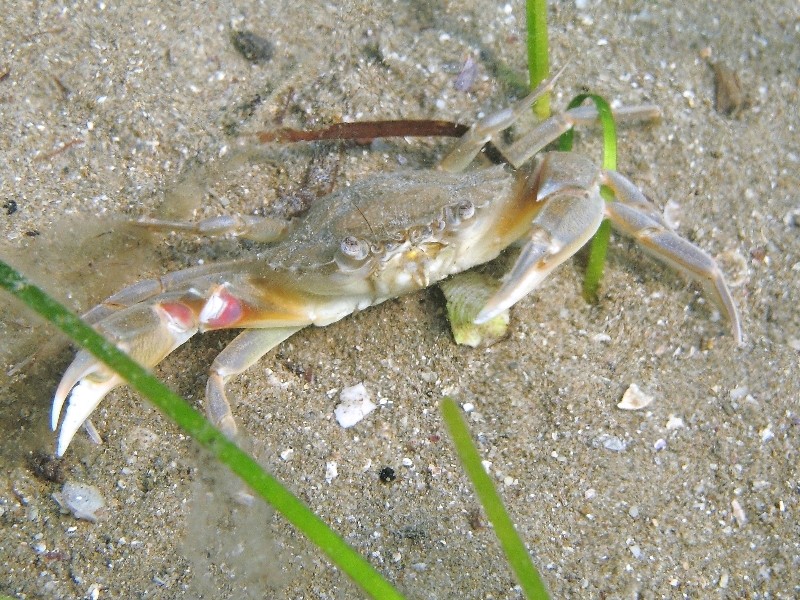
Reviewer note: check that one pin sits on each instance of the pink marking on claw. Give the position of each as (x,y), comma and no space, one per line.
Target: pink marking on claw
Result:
(221,310)
(179,314)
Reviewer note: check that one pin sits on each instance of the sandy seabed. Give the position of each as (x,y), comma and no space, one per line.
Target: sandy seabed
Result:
(104,110)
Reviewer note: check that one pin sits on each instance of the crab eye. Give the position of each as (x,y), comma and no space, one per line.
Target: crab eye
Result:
(354,248)
(460,211)
(465,209)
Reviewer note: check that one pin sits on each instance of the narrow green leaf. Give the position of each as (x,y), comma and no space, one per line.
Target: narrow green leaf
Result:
(538,55)
(517,555)
(599,245)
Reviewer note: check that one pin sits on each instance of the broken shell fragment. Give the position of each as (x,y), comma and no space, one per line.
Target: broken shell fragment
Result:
(83,501)
(354,405)
(466,295)
(634,399)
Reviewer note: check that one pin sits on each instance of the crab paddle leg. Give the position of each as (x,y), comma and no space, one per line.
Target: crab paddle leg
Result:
(244,351)
(635,216)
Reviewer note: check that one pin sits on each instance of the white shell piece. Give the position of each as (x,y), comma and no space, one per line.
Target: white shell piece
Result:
(354,405)
(673,213)
(738,513)
(634,399)
(83,501)
(331,471)
(674,423)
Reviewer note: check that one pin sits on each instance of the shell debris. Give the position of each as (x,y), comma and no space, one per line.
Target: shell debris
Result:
(634,399)
(354,405)
(466,295)
(738,513)
(83,501)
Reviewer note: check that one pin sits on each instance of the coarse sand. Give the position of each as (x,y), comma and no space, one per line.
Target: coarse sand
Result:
(109,111)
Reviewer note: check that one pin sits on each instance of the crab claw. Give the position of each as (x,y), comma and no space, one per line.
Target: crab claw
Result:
(147,333)
(566,222)
(92,386)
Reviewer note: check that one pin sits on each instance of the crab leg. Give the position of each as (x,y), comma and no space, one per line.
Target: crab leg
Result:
(635,216)
(550,129)
(250,227)
(238,356)
(481,132)
(274,305)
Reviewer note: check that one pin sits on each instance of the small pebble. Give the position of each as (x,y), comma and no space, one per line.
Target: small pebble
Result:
(738,513)
(673,214)
(610,442)
(729,98)
(723,580)
(253,47)
(331,471)
(614,443)
(387,475)
(467,76)
(739,393)
(674,423)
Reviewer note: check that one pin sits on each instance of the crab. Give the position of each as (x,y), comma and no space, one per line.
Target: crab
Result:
(387,235)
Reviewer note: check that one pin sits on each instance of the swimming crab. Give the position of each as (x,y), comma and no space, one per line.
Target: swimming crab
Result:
(387,235)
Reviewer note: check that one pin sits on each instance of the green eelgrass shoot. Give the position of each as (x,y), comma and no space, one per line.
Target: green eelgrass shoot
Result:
(599,245)
(538,71)
(538,51)
(177,409)
(517,556)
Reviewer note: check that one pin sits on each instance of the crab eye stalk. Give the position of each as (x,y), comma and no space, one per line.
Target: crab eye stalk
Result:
(458,212)
(352,253)
(465,210)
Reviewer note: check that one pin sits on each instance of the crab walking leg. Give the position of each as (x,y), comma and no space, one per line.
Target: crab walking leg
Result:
(244,351)
(552,128)
(258,229)
(481,132)
(632,215)
(568,219)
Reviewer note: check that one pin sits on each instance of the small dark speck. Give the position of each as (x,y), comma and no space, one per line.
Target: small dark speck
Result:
(253,47)
(32,233)
(10,206)
(387,475)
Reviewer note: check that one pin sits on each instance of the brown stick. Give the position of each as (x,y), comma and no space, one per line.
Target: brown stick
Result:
(366,131)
